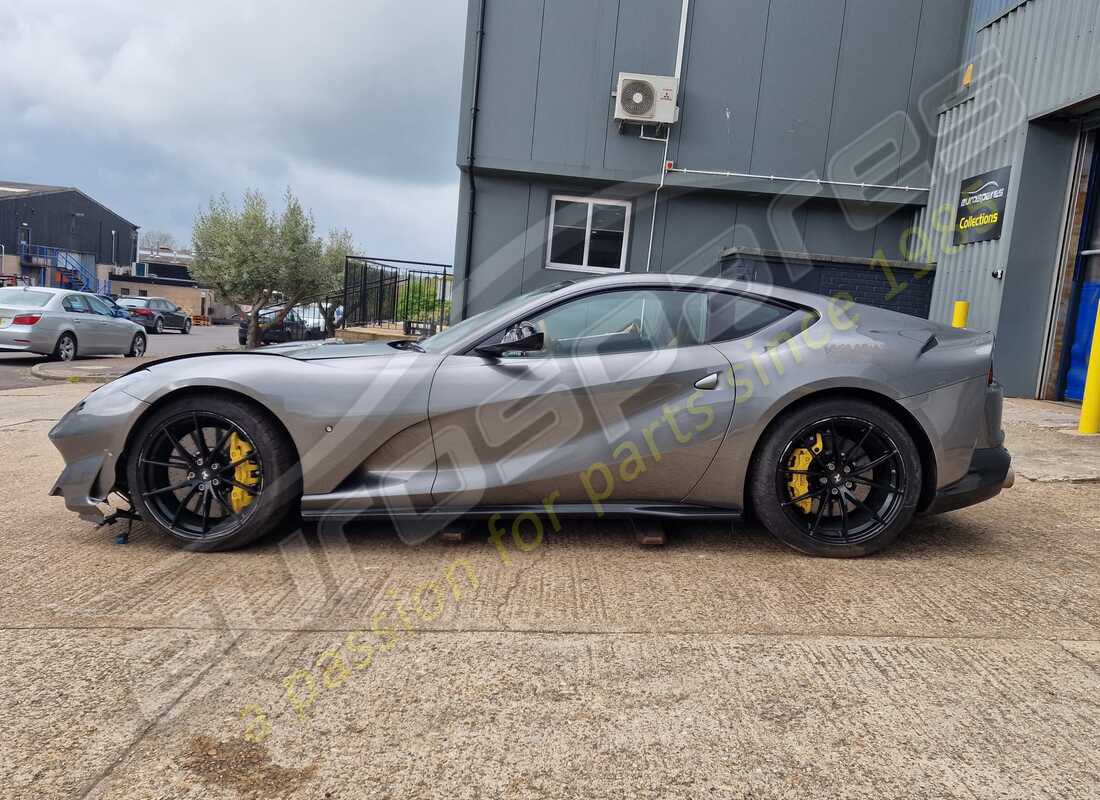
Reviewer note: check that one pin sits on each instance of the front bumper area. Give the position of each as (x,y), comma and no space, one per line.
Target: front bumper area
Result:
(78,482)
(91,439)
(990,471)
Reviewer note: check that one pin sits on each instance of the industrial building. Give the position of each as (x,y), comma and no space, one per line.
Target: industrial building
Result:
(59,236)
(905,153)
(1026,121)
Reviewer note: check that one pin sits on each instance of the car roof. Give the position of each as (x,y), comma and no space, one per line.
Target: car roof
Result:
(46,289)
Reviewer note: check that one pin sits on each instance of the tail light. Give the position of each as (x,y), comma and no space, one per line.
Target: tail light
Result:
(26,319)
(141,312)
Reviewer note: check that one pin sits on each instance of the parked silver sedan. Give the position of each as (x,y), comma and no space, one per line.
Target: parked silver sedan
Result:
(64,324)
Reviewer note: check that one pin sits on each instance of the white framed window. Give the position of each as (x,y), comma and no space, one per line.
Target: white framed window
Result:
(587,234)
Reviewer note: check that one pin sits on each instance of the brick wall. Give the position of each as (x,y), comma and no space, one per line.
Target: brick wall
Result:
(186,297)
(898,286)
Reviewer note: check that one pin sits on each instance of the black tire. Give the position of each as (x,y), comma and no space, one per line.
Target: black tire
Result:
(65,349)
(186,327)
(158,326)
(277,493)
(138,346)
(839,523)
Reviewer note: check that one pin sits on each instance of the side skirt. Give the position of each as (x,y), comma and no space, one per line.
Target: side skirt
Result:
(664,511)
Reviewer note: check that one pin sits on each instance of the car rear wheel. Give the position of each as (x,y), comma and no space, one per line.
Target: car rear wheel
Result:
(212,472)
(137,347)
(65,349)
(158,326)
(838,477)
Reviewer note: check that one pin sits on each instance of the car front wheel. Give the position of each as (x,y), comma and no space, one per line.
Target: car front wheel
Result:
(187,326)
(212,472)
(837,477)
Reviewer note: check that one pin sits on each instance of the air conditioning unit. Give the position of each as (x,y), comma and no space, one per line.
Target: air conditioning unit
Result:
(646,99)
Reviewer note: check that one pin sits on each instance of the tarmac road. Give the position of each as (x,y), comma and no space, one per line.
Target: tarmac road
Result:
(964,663)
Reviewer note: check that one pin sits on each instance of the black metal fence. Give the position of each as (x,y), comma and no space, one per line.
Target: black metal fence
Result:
(406,297)
(412,297)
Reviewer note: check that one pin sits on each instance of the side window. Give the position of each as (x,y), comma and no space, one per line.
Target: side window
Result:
(623,321)
(588,234)
(75,303)
(735,316)
(98,306)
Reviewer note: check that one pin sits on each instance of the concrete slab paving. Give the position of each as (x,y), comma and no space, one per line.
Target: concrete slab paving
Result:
(1045,444)
(964,662)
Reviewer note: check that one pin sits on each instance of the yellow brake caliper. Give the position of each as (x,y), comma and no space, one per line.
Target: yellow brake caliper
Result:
(800,484)
(245,473)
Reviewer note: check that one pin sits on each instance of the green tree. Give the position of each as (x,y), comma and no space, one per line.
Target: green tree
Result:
(299,266)
(422,299)
(338,247)
(234,252)
(253,258)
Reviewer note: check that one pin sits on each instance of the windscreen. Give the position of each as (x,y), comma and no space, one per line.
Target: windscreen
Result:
(435,344)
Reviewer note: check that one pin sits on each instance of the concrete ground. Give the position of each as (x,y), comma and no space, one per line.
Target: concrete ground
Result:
(15,368)
(964,662)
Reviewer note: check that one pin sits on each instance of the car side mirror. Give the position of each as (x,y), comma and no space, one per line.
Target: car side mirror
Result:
(523,337)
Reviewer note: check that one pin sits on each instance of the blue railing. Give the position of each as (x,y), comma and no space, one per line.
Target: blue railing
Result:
(83,279)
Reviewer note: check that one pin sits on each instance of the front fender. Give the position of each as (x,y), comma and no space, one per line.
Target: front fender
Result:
(336,411)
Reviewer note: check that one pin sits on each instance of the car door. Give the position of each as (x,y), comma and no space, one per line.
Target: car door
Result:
(177,315)
(625,404)
(160,309)
(89,336)
(117,333)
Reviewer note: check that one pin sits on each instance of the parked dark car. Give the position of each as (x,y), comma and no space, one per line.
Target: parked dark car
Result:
(116,309)
(156,314)
(291,329)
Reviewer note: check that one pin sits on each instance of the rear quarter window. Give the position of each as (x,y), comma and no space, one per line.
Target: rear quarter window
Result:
(735,316)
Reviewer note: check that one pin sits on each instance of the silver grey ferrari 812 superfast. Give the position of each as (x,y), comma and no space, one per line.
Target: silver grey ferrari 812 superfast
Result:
(832,423)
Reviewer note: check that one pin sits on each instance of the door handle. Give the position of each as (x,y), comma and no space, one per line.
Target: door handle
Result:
(709,382)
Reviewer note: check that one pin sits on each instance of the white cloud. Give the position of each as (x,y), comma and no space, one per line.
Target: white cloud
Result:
(154,107)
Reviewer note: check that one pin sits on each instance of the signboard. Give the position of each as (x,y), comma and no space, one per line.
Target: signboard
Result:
(981,210)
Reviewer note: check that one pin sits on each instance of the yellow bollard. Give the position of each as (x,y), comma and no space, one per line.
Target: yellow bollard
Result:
(1090,404)
(962,311)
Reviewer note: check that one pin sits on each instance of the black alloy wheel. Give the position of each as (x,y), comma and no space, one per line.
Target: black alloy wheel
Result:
(213,472)
(837,477)
(854,486)
(188,476)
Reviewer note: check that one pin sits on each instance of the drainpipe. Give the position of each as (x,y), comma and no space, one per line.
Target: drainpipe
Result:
(472,204)
(680,45)
(668,132)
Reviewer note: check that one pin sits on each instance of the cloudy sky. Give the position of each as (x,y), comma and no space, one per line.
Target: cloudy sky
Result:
(153,107)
